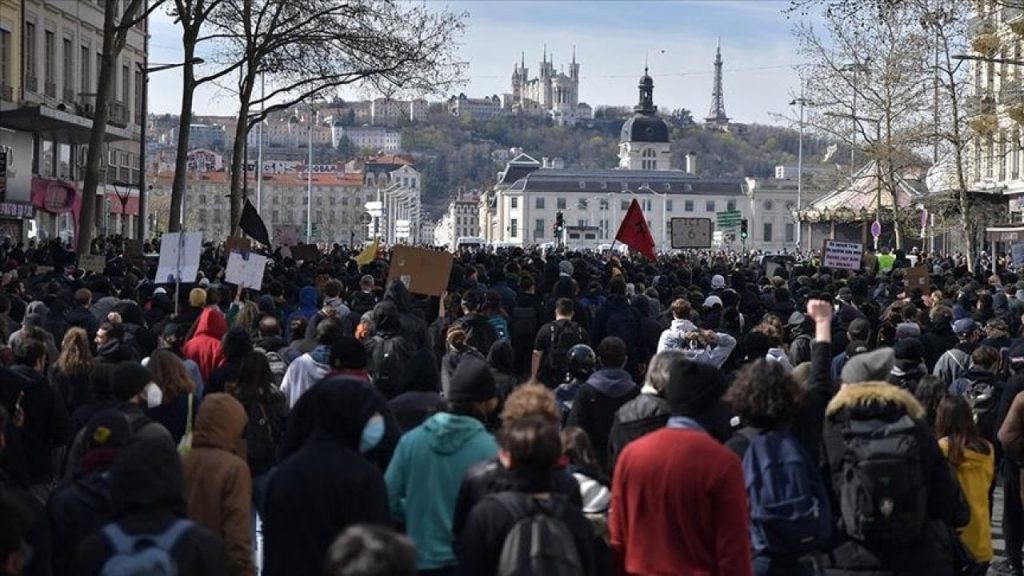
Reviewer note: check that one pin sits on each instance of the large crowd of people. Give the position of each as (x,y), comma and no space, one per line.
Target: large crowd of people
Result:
(708,413)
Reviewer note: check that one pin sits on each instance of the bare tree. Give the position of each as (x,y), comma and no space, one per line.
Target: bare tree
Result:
(115,35)
(306,49)
(868,77)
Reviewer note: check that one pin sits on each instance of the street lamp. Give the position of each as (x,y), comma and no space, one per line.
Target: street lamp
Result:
(146,70)
(878,169)
(309,170)
(854,67)
(801,101)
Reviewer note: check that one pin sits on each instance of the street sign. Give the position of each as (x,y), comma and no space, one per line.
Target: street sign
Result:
(691,233)
(728,219)
(876,229)
(365,218)
(374,205)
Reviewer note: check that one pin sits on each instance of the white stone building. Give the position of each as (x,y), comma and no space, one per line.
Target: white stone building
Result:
(377,138)
(482,109)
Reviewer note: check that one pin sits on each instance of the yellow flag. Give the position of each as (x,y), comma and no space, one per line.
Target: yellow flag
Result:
(369,254)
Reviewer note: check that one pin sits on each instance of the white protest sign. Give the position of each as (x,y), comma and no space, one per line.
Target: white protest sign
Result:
(842,255)
(179,257)
(245,269)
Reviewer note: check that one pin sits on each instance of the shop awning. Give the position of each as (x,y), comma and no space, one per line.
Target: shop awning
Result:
(70,127)
(1004,233)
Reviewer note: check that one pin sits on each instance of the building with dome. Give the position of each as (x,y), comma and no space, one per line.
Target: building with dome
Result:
(521,207)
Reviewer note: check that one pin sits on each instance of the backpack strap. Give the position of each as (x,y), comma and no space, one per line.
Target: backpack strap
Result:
(124,543)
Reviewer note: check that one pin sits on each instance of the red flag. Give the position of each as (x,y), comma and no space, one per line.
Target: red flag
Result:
(635,233)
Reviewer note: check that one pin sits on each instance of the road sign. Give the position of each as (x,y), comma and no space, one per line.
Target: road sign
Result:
(375,205)
(691,233)
(876,229)
(728,219)
(365,218)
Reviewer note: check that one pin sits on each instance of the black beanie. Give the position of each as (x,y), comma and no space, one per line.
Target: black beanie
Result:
(472,382)
(694,387)
(128,379)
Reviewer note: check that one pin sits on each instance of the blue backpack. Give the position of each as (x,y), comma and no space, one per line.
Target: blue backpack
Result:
(500,326)
(789,507)
(143,554)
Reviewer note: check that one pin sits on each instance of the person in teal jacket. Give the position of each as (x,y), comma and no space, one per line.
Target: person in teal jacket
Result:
(427,468)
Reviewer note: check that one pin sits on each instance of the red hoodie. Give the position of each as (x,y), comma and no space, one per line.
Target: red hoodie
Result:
(204,346)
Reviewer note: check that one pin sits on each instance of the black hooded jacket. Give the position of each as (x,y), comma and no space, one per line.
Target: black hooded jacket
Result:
(326,485)
(147,496)
(413,326)
(422,391)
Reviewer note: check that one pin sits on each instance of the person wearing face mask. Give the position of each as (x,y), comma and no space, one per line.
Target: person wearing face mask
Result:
(427,468)
(218,487)
(327,483)
(134,391)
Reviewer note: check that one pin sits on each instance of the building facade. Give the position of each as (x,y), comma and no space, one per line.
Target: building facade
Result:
(550,92)
(482,109)
(377,138)
(50,59)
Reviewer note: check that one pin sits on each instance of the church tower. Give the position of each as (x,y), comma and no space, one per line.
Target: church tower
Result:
(574,75)
(644,142)
(716,117)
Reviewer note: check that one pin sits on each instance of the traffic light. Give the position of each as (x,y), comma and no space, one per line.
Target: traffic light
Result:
(559,223)
(743,228)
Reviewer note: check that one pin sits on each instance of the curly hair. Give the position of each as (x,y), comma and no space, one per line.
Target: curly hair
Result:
(764,395)
(771,327)
(75,357)
(530,399)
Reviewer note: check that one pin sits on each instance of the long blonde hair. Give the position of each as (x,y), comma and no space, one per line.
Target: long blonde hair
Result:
(75,357)
(170,374)
(247,317)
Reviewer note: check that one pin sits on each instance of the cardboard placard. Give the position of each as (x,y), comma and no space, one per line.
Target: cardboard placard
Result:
(842,255)
(422,271)
(92,263)
(305,252)
(240,243)
(179,257)
(245,269)
(917,277)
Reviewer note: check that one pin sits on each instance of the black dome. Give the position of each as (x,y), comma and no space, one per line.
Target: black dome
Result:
(644,128)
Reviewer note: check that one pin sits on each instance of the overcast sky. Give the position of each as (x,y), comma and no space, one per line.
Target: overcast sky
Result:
(612,39)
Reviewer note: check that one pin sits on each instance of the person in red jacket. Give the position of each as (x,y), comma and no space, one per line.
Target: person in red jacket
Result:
(679,502)
(203,347)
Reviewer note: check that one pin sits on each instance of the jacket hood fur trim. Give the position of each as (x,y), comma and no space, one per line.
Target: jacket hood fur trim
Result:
(869,394)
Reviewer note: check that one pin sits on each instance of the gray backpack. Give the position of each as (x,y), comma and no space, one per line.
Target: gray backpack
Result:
(143,554)
(539,542)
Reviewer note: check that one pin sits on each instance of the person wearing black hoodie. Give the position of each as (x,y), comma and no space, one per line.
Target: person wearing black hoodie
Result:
(328,484)
(501,360)
(422,391)
(235,345)
(413,326)
(908,367)
(939,337)
(147,498)
(605,392)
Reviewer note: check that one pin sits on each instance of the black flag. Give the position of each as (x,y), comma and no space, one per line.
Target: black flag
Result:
(253,225)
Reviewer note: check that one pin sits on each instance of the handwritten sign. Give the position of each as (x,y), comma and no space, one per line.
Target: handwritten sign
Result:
(179,257)
(842,255)
(917,277)
(92,263)
(245,269)
(422,271)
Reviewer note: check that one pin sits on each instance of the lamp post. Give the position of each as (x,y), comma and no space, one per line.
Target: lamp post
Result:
(146,70)
(801,101)
(854,67)
(309,170)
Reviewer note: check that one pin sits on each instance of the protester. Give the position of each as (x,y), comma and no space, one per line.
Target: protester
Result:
(648,411)
(71,374)
(203,345)
(422,397)
(552,344)
(309,368)
(367,550)
(178,402)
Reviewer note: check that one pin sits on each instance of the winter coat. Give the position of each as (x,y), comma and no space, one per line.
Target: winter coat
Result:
(501,361)
(268,417)
(673,339)
(75,389)
(304,372)
(115,351)
(79,317)
(75,511)
(975,475)
(413,326)
(954,363)
(480,333)
(307,305)
(46,424)
(423,481)
(325,485)
(595,405)
(204,346)
(885,402)
(422,397)
(218,487)
(147,496)
(640,416)
(173,415)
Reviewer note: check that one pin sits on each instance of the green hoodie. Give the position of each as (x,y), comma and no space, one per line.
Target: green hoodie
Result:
(424,479)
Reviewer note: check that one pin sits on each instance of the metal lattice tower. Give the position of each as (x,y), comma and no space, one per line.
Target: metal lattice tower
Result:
(716,117)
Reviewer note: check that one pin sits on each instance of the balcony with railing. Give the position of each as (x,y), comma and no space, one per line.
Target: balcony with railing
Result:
(50,89)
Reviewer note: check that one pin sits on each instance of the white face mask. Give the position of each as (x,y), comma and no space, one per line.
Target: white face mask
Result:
(154,395)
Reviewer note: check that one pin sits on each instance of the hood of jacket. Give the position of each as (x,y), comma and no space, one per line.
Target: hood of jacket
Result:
(220,422)
(307,298)
(147,476)
(337,408)
(37,307)
(614,382)
(683,325)
(617,302)
(211,323)
(116,351)
(447,432)
(387,318)
(501,357)
(870,399)
(270,343)
(399,294)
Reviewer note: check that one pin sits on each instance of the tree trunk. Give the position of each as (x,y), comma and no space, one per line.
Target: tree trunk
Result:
(181,155)
(237,194)
(97,153)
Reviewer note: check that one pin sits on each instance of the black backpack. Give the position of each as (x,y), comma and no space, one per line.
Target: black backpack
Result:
(539,542)
(523,325)
(564,335)
(882,492)
(984,400)
(388,357)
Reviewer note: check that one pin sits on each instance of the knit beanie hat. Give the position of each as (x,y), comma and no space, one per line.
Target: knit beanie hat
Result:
(347,353)
(869,367)
(908,351)
(907,330)
(694,387)
(107,429)
(472,381)
(128,379)
(197,298)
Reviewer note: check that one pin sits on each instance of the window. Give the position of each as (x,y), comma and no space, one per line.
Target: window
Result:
(538,228)
(125,85)
(790,232)
(515,203)
(49,57)
(709,206)
(624,205)
(1002,156)
(602,204)
(538,203)
(30,55)
(140,88)
(730,205)
(5,57)
(769,205)
(560,203)
(84,80)
(767,232)
(688,206)
(668,205)
(514,227)
(582,204)
(648,205)
(68,72)
(1015,156)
